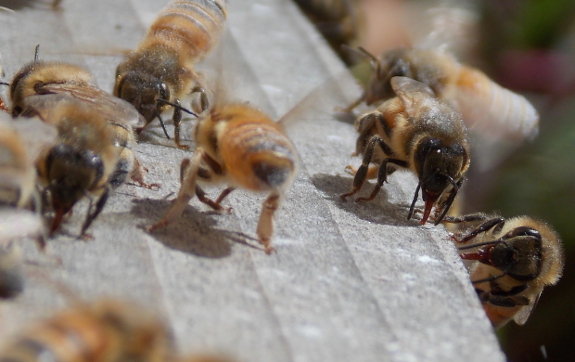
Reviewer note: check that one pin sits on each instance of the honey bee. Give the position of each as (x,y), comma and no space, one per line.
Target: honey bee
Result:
(104,331)
(160,71)
(515,260)
(241,146)
(45,78)
(486,106)
(416,131)
(84,160)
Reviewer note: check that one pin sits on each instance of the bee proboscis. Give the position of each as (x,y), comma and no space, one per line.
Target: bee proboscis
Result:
(514,260)
(421,133)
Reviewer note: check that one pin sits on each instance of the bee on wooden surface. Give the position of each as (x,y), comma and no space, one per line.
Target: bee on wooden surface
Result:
(46,78)
(421,133)
(160,71)
(103,331)
(516,259)
(486,106)
(241,146)
(83,161)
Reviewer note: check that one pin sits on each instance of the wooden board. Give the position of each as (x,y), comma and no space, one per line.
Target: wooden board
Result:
(349,282)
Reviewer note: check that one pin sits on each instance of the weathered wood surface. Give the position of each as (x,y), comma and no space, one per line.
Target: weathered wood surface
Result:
(349,282)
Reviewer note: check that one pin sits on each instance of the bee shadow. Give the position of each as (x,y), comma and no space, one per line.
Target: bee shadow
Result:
(378,210)
(193,232)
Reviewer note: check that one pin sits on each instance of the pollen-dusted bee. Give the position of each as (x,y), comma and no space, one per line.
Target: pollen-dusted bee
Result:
(516,259)
(160,71)
(242,146)
(85,158)
(485,105)
(103,331)
(46,78)
(416,131)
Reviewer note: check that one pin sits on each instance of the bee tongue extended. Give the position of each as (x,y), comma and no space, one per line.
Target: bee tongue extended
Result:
(57,220)
(429,202)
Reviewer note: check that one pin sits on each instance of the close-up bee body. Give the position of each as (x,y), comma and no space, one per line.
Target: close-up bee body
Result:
(84,159)
(416,131)
(241,146)
(160,71)
(515,260)
(103,331)
(484,104)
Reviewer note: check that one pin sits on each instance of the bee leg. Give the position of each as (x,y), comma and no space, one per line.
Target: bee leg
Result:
(487,225)
(137,175)
(211,203)
(382,177)
(445,205)
(265,224)
(188,175)
(352,106)
(177,119)
(90,217)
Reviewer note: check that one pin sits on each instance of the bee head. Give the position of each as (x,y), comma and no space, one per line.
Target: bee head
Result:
(143,91)
(70,174)
(438,166)
(518,254)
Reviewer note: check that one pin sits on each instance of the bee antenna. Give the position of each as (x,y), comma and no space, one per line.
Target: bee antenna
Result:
(37,52)
(161,122)
(161,100)
(494,242)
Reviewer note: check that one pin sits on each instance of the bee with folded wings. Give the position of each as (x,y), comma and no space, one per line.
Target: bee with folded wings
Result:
(241,146)
(20,142)
(421,133)
(94,154)
(486,107)
(160,71)
(514,260)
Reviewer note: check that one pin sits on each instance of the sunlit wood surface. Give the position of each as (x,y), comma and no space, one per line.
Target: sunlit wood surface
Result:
(349,282)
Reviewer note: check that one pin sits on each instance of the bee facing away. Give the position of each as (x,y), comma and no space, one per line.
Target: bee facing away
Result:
(160,71)
(516,259)
(416,131)
(243,147)
(84,160)
(104,331)
(485,105)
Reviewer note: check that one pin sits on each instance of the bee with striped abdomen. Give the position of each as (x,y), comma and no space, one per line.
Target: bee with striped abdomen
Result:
(419,132)
(514,260)
(241,146)
(161,69)
(485,105)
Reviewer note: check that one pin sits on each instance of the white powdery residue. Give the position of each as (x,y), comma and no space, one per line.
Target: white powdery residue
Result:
(427,259)
(335,138)
(310,331)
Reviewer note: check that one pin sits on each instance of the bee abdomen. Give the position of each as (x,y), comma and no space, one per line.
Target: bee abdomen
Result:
(264,150)
(195,23)
(493,108)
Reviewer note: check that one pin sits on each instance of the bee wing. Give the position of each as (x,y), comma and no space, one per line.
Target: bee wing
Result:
(523,314)
(34,134)
(115,110)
